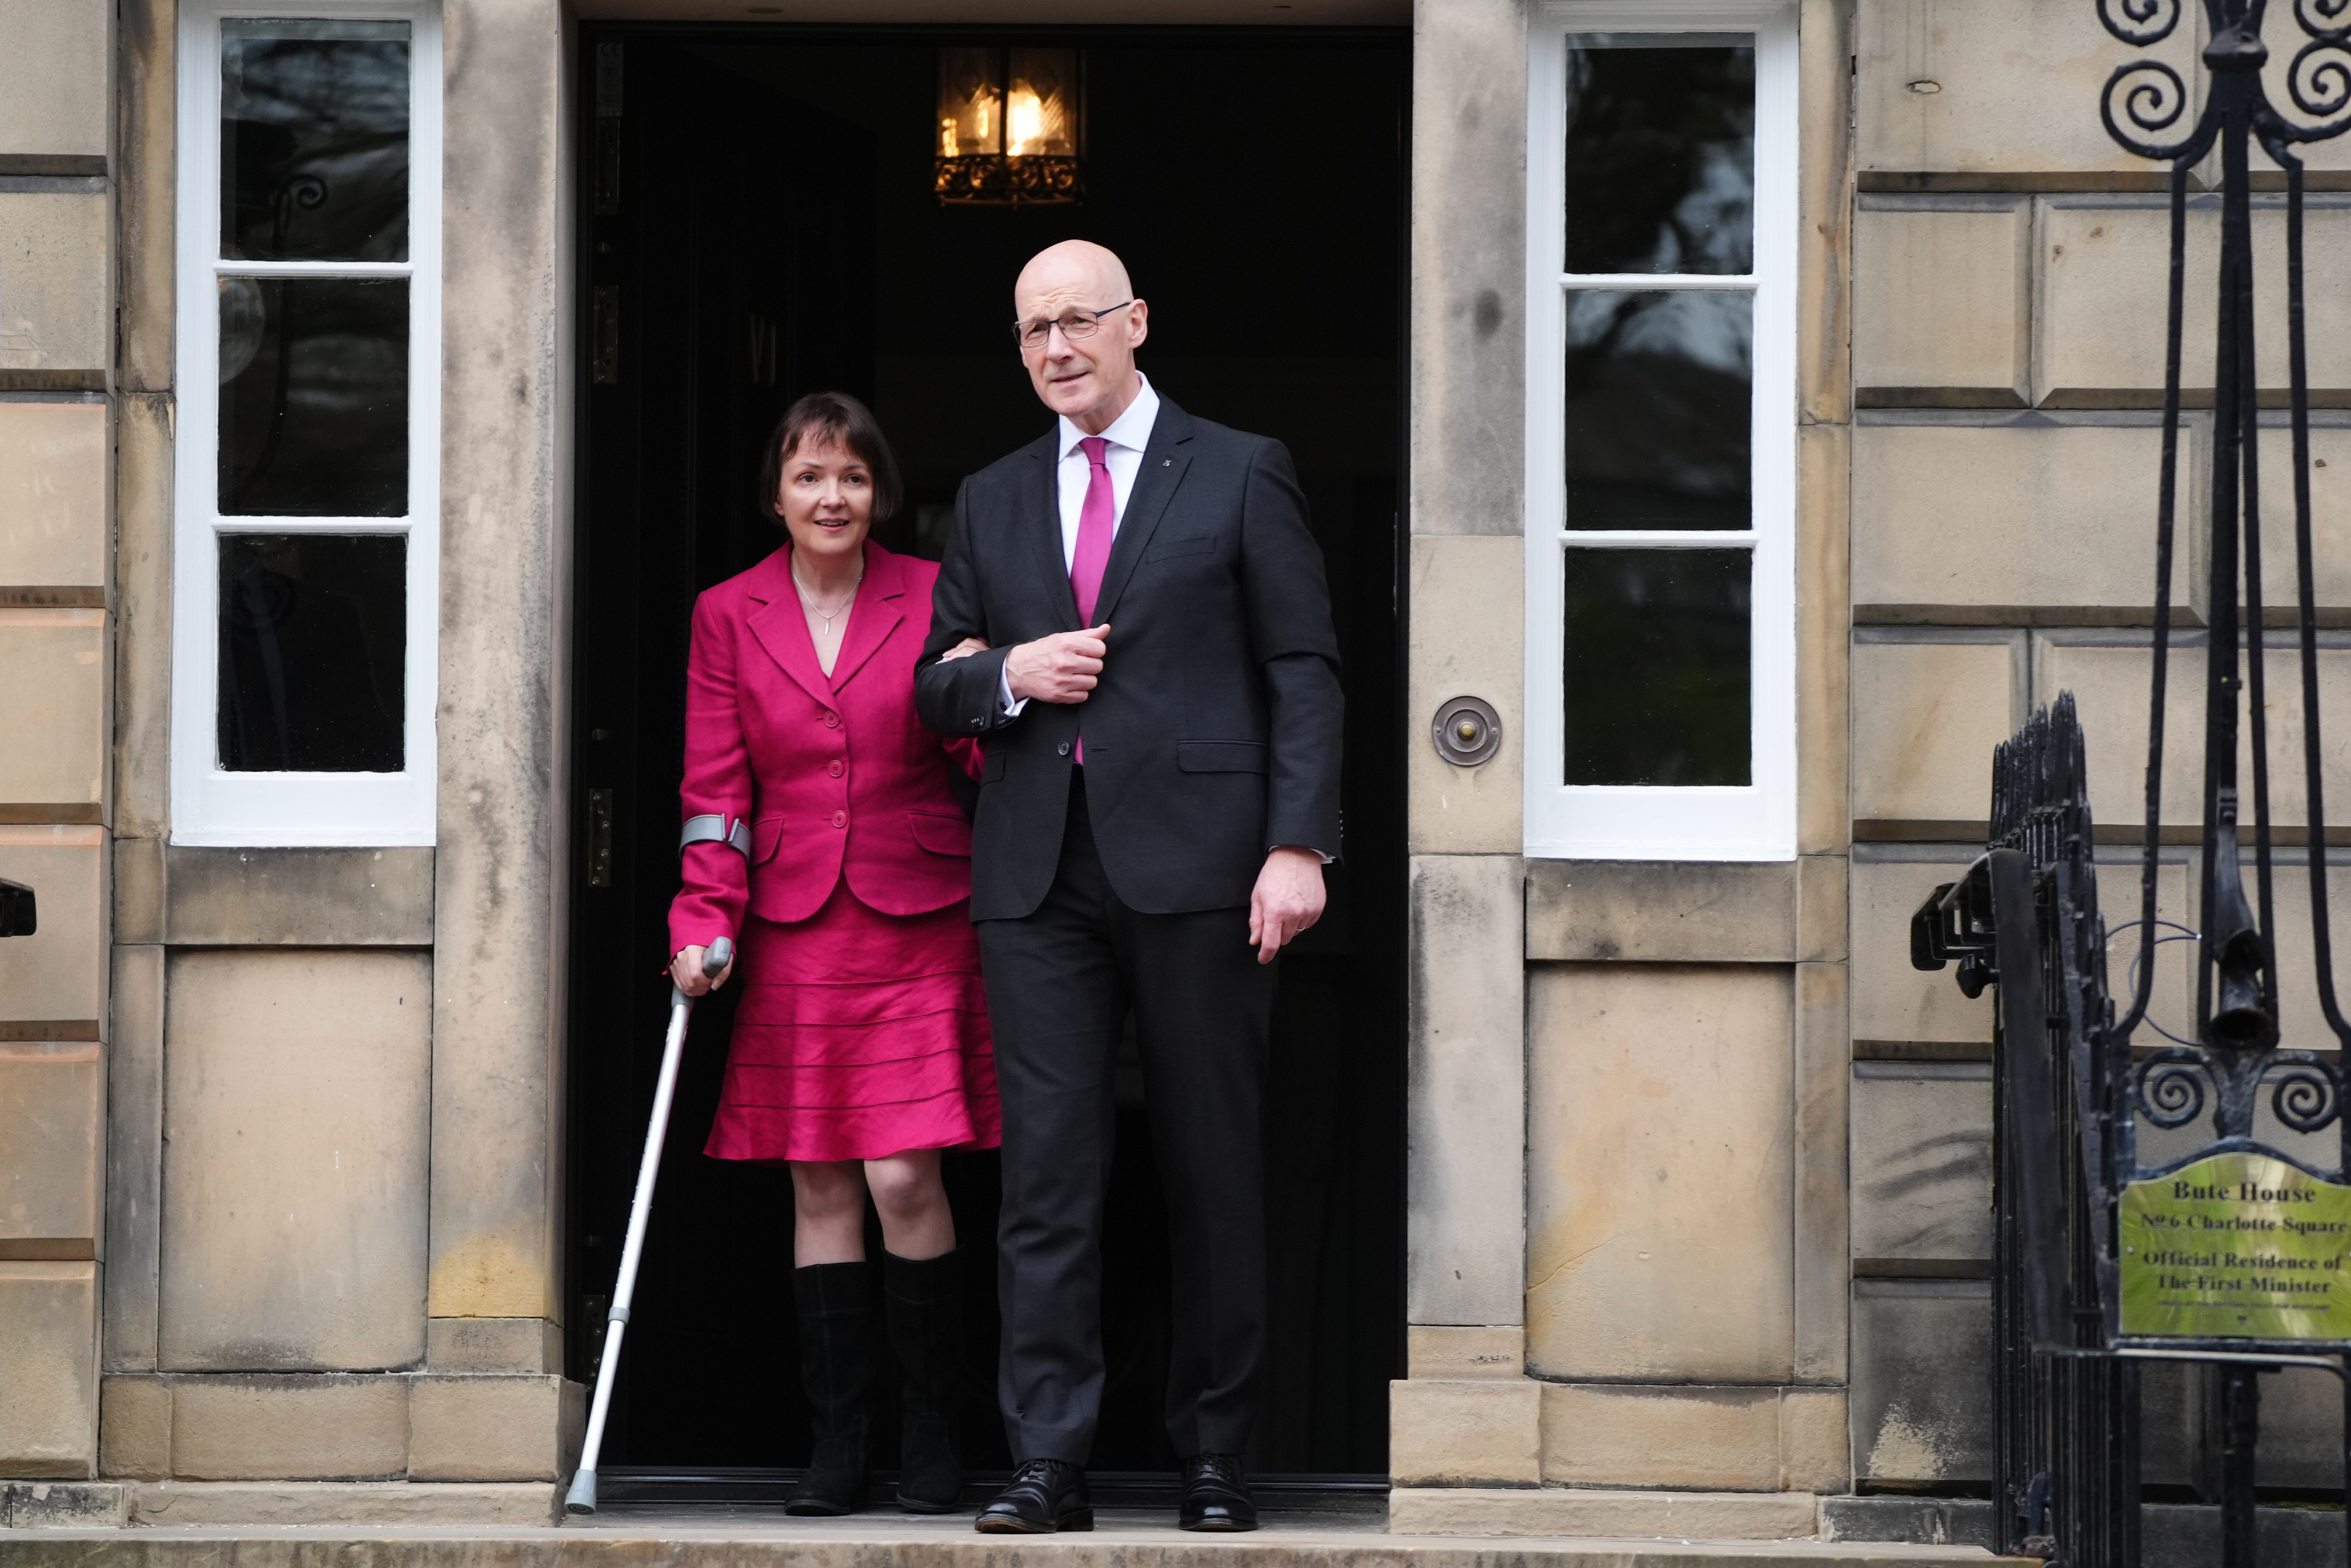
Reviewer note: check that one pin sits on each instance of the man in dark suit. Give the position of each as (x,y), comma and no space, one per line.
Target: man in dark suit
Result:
(1158,700)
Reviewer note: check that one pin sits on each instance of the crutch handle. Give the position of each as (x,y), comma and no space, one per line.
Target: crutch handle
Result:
(719,954)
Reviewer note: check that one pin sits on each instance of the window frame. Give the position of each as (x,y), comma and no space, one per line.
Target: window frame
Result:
(1638,822)
(210,805)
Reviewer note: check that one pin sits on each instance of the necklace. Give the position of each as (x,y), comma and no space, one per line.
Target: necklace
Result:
(815,609)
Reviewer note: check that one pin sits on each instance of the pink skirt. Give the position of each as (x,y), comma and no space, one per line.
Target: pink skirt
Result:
(860,1034)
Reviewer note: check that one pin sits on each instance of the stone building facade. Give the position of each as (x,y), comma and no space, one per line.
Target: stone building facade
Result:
(1696,1163)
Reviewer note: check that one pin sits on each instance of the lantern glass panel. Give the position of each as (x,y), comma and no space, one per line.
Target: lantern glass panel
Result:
(1040,115)
(971,102)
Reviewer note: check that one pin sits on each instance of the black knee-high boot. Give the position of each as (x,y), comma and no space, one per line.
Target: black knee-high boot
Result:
(925,1301)
(836,1308)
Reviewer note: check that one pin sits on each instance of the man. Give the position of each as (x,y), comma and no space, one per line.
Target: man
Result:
(1159,704)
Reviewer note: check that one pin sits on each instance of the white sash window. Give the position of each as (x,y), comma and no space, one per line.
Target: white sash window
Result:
(306,564)
(1661,223)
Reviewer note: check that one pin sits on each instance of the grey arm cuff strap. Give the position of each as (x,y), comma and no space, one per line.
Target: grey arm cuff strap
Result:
(712,829)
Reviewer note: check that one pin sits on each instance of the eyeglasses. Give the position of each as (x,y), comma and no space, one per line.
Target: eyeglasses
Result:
(1077,326)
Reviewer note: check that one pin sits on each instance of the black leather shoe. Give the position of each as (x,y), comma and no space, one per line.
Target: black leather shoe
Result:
(1216,1497)
(1046,1495)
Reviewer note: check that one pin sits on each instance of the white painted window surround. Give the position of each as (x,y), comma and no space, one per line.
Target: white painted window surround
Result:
(210,805)
(1755,822)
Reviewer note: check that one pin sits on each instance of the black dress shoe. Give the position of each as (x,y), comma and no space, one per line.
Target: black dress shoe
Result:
(1046,1495)
(1215,1495)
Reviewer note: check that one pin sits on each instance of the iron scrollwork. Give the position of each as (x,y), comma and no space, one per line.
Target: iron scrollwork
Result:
(2169,1085)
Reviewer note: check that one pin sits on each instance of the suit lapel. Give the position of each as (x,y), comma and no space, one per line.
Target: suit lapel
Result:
(1043,525)
(1164,461)
(880,607)
(782,628)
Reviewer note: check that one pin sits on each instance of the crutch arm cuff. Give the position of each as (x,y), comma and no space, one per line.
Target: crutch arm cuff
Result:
(713,828)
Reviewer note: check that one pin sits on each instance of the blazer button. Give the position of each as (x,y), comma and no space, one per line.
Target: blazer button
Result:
(1064,748)
(841,819)
(833,767)
(832,720)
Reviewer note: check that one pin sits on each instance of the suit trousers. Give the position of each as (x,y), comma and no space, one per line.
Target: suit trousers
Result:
(1060,983)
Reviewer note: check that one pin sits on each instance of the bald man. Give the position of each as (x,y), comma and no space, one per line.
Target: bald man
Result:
(1159,704)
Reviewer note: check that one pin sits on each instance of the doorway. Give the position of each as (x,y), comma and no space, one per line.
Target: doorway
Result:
(757,221)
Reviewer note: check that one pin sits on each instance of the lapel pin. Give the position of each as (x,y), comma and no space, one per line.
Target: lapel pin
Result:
(1167,463)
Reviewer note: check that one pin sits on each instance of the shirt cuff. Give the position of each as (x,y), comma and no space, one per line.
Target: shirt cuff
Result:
(1007,706)
(1327,859)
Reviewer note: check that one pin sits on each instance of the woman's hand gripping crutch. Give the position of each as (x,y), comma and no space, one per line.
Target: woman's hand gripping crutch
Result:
(583,1496)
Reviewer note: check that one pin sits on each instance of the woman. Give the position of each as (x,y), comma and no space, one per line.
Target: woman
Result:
(821,834)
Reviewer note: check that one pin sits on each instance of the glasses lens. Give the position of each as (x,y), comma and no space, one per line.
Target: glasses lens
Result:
(1035,334)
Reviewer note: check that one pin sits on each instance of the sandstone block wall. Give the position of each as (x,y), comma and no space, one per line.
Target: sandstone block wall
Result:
(2008,361)
(219,1144)
(56,433)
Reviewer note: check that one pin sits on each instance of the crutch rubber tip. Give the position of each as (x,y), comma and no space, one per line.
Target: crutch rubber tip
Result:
(582,1499)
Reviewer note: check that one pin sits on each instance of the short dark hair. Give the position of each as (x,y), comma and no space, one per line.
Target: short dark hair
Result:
(827,417)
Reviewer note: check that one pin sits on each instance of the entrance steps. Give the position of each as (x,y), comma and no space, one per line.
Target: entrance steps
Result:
(723,1535)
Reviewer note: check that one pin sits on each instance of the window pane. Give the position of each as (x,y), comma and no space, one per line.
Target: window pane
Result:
(1661,153)
(313,652)
(1656,671)
(314,397)
(1659,390)
(314,141)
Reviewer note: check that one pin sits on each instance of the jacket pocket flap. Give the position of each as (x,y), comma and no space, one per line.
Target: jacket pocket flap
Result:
(1190,545)
(767,836)
(941,835)
(991,763)
(1221,756)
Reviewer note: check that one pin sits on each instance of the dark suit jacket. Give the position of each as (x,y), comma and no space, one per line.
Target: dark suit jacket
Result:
(1215,732)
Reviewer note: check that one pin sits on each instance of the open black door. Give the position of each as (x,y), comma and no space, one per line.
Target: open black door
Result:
(730,269)
(758,221)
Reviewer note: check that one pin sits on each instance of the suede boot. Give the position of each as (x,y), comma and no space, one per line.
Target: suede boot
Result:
(925,1302)
(837,1369)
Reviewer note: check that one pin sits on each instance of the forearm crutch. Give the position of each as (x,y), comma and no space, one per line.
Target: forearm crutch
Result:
(583,1496)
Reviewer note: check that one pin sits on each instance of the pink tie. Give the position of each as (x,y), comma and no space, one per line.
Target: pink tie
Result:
(1096,520)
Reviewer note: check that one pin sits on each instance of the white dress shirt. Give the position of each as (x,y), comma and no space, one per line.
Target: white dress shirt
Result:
(1126,436)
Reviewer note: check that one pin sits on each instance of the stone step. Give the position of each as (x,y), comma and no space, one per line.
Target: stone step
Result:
(760,1536)
(1108,1547)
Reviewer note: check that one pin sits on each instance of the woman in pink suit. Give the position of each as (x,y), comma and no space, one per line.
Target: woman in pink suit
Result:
(822,835)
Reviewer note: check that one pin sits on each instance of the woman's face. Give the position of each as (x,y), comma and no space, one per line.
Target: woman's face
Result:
(826,495)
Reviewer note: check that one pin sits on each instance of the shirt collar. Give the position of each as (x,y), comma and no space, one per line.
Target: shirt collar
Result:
(1130,430)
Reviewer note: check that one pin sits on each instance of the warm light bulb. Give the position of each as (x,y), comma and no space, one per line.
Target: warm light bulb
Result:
(1026,122)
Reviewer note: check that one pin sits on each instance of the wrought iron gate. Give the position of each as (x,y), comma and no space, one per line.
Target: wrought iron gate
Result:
(2109,1255)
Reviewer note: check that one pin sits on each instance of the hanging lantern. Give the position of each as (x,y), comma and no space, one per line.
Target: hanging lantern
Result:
(1010,127)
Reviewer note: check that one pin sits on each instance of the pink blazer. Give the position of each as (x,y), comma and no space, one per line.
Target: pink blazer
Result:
(836,776)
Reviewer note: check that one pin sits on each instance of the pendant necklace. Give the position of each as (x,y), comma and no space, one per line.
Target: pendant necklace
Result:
(809,599)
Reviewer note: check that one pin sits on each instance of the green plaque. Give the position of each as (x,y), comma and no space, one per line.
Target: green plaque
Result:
(2239,1246)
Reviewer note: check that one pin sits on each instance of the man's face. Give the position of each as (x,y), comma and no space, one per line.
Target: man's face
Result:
(1093,376)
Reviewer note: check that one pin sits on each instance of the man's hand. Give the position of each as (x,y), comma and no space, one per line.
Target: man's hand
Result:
(964,649)
(1287,899)
(685,969)
(1057,668)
